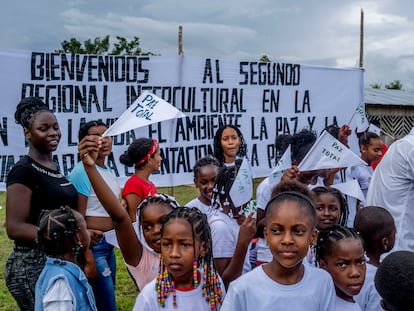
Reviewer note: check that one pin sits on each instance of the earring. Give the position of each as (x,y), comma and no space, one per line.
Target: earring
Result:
(195,274)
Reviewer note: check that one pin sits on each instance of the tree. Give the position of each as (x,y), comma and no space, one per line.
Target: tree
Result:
(265,58)
(396,85)
(376,86)
(102,46)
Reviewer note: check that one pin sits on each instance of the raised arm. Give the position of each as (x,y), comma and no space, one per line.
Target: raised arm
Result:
(128,241)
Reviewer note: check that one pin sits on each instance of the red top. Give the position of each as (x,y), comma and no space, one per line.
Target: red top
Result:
(139,186)
(384,150)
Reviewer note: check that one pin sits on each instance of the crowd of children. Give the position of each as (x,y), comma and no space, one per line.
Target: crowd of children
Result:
(203,255)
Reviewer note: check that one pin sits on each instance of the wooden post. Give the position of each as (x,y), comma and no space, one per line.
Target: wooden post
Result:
(180,40)
(361,40)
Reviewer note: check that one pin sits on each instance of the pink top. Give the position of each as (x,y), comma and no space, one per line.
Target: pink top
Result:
(146,270)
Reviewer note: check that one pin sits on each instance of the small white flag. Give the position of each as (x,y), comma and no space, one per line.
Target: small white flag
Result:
(351,188)
(146,109)
(328,152)
(284,163)
(374,129)
(242,189)
(361,119)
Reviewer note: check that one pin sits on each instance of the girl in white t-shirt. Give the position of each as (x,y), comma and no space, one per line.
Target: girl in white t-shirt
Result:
(205,173)
(340,251)
(285,283)
(187,279)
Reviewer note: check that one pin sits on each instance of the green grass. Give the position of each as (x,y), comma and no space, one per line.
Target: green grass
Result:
(126,291)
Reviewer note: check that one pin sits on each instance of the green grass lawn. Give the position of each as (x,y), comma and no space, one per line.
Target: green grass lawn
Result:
(126,290)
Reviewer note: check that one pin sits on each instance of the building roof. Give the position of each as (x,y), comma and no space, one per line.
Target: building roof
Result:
(388,97)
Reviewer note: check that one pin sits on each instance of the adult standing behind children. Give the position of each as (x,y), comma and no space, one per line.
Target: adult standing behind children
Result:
(100,262)
(33,184)
(229,145)
(392,187)
(144,154)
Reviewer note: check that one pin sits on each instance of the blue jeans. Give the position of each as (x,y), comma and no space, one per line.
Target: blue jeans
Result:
(104,287)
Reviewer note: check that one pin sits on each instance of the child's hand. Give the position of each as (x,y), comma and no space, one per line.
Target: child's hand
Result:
(88,149)
(248,228)
(95,235)
(291,173)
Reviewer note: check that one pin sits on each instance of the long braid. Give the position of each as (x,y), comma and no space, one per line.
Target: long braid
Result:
(211,285)
(221,190)
(330,236)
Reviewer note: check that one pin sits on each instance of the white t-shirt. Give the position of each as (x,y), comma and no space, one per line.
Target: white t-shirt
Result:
(59,297)
(224,233)
(368,298)
(363,174)
(257,291)
(200,205)
(343,305)
(392,187)
(186,300)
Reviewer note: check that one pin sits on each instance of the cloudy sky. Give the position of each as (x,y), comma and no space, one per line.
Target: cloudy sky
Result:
(325,32)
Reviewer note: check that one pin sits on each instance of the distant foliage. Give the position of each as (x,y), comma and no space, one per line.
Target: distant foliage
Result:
(100,46)
(396,85)
(376,86)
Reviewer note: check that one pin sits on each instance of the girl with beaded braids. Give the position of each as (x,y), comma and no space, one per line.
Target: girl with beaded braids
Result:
(62,285)
(187,279)
(340,251)
(229,145)
(140,252)
(33,184)
(144,155)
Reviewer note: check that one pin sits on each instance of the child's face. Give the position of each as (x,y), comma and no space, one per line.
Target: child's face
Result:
(373,151)
(106,147)
(179,250)
(328,210)
(204,181)
(151,218)
(155,160)
(289,231)
(346,264)
(230,142)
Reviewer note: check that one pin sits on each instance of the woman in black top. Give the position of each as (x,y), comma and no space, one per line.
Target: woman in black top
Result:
(33,184)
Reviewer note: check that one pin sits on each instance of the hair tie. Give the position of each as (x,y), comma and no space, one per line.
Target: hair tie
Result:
(150,152)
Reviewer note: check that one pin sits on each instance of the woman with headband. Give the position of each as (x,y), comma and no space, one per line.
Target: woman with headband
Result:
(144,154)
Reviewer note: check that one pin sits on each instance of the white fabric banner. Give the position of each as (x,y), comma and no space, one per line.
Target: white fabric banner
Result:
(242,189)
(263,99)
(283,164)
(147,109)
(328,152)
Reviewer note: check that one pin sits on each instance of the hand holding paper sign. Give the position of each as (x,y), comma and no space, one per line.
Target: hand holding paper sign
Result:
(146,109)
(328,152)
